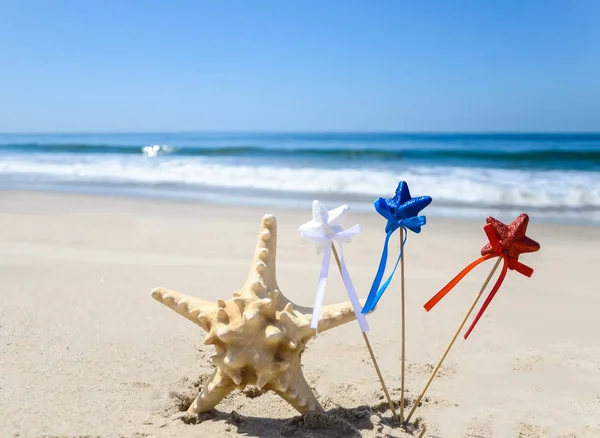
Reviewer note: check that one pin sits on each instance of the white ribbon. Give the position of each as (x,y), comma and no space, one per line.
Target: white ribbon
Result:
(324,230)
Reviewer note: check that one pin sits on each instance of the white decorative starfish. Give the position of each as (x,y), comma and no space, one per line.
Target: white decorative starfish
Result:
(326,225)
(324,228)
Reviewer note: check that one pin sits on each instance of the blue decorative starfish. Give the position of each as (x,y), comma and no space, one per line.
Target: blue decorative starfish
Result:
(400,211)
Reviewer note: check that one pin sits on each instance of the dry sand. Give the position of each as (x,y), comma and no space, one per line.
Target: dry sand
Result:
(85,350)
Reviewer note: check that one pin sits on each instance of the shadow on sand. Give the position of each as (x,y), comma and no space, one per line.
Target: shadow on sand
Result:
(335,422)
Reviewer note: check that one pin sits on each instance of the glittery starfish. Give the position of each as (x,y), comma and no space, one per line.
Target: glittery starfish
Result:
(506,242)
(401,207)
(512,239)
(259,335)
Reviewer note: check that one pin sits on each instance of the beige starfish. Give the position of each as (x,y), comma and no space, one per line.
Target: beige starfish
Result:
(259,335)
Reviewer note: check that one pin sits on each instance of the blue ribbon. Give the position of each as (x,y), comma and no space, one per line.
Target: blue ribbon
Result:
(414,224)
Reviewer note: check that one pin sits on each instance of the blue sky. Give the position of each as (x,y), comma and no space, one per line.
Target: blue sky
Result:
(132,65)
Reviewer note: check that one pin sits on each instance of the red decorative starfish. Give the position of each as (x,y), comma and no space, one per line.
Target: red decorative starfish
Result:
(506,241)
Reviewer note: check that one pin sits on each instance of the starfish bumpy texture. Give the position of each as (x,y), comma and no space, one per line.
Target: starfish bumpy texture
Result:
(259,335)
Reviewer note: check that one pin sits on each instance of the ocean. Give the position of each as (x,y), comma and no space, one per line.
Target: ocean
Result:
(553,177)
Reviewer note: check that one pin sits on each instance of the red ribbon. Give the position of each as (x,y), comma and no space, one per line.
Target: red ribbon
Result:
(497,251)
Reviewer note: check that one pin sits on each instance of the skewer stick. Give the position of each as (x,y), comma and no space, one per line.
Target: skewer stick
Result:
(403,327)
(366,338)
(485,283)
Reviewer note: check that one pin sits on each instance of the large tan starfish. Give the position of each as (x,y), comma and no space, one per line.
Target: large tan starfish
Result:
(259,335)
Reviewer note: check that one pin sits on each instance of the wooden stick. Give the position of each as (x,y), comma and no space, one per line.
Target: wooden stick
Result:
(422,434)
(403,327)
(366,338)
(387,395)
(460,327)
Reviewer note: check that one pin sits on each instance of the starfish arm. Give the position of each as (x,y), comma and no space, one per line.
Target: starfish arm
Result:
(530,245)
(337,215)
(519,226)
(413,207)
(262,278)
(402,193)
(383,208)
(319,212)
(310,225)
(299,394)
(215,390)
(195,309)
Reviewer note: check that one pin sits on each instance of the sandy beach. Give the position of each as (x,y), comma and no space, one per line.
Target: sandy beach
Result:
(86,351)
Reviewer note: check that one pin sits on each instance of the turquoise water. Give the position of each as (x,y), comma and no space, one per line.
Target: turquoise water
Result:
(557,176)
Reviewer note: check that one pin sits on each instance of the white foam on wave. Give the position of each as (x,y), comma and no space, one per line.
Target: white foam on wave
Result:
(447,185)
(156,150)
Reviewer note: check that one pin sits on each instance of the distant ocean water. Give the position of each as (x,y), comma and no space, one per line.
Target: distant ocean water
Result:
(554,176)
